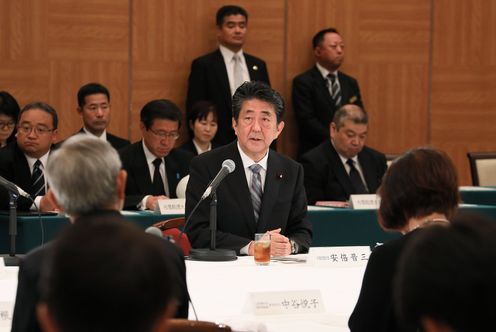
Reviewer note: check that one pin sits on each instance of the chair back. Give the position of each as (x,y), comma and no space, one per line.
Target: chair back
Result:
(390,157)
(483,168)
(171,227)
(185,325)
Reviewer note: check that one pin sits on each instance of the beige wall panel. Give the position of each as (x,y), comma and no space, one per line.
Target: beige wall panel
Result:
(387,50)
(464,79)
(168,35)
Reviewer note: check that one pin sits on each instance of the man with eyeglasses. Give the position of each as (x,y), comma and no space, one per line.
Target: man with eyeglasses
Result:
(23,162)
(154,167)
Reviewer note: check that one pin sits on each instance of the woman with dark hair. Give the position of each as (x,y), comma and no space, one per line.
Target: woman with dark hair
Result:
(9,113)
(202,122)
(419,189)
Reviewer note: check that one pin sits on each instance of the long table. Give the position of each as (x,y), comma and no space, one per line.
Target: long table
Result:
(331,226)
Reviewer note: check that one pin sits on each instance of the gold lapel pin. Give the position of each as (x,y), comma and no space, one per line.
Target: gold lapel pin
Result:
(255,67)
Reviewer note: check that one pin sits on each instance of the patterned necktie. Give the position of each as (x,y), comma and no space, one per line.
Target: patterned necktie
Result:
(238,71)
(158,184)
(256,189)
(335,89)
(356,179)
(37,180)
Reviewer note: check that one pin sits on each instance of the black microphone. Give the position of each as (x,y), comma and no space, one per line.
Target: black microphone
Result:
(228,166)
(12,187)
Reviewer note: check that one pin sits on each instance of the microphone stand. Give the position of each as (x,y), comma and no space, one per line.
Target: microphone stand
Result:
(213,254)
(11,259)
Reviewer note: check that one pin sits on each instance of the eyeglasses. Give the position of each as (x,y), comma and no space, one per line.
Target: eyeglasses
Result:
(26,130)
(165,135)
(7,125)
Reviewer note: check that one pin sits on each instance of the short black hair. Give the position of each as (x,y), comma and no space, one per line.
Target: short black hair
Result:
(160,109)
(44,107)
(227,11)
(104,274)
(447,273)
(319,36)
(200,111)
(9,107)
(257,90)
(91,89)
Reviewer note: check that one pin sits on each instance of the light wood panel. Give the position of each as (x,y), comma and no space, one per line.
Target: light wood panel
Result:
(464,79)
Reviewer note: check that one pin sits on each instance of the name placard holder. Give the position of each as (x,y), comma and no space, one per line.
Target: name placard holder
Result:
(6,314)
(283,303)
(352,256)
(365,202)
(171,206)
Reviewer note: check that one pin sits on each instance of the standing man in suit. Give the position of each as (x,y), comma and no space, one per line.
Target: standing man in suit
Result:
(23,162)
(87,183)
(94,108)
(343,165)
(153,166)
(320,91)
(264,193)
(215,76)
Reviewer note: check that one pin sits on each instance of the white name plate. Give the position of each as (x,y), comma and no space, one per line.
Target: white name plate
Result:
(171,206)
(283,303)
(339,256)
(365,202)
(6,314)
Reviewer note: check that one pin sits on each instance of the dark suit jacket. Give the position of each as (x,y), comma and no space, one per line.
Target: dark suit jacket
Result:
(314,107)
(326,178)
(139,183)
(115,141)
(30,269)
(208,80)
(15,168)
(283,203)
(374,310)
(190,147)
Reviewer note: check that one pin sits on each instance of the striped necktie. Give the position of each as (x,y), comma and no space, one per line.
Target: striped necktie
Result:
(335,89)
(356,179)
(256,189)
(37,180)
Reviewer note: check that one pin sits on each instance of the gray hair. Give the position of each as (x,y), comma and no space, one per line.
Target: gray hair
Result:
(351,112)
(82,174)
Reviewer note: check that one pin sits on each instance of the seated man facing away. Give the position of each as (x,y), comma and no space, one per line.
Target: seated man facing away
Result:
(86,182)
(343,165)
(446,276)
(153,166)
(106,275)
(264,193)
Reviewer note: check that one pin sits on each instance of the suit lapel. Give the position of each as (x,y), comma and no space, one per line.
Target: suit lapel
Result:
(271,191)
(340,171)
(368,170)
(321,88)
(23,178)
(141,170)
(221,72)
(172,176)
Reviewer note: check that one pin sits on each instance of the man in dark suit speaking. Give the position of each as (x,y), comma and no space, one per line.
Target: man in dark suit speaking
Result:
(264,193)
(320,91)
(343,165)
(215,76)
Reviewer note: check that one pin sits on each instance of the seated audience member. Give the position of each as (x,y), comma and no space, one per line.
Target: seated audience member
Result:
(9,113)
(23,162)
(446,276)
(91,284)
(153,166)
(86,182)
(94,108)
(202,121)
(264,193)
(420,189)
(343,165)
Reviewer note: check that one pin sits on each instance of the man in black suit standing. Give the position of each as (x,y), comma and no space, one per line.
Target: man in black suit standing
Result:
(88,184)
(94,108)
(215,76)
(153,166)
(23,162)
(320,91)
(264,193)
(343,165)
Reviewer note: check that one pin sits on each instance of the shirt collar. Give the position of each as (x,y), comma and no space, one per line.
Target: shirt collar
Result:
(43,159)
(103,136)
(247,161)
(150,157)
(343,158)
(227,54)
(199,150)
(324,72)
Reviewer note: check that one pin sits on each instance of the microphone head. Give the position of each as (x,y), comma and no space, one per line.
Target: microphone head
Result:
(229,164)
(154,231)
